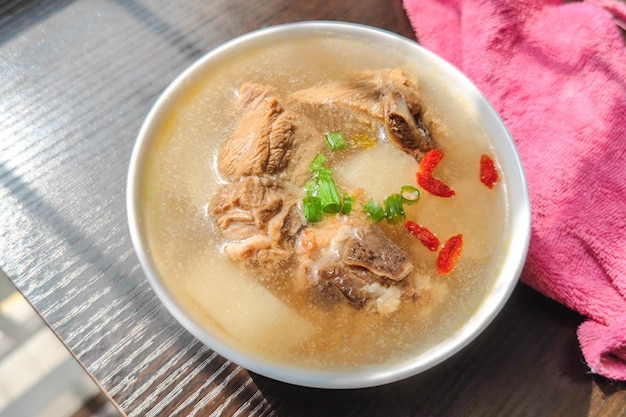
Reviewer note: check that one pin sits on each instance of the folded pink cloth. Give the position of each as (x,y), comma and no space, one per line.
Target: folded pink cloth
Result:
(557,74)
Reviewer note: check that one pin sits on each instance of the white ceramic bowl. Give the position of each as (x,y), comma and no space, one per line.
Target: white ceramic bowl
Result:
(501,142)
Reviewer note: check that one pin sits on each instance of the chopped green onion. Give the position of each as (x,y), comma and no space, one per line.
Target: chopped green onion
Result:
(335,141)
(409,193)
(325,173)
(347,204)
(329,195)
(394,211)
(312,208)
(322,195)
(374,210)
(318,168)
(318,163)
(311,188)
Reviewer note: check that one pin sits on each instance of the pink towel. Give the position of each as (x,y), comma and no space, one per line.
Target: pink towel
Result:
(557,75)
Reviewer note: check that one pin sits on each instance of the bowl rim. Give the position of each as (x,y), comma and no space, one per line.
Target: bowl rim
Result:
(370,375)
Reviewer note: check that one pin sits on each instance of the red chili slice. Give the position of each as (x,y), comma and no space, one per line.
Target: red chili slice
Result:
(488,172)
(434,185)
(423,234)
(449,254)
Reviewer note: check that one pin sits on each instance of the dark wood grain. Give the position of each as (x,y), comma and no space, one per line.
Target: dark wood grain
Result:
(77,79)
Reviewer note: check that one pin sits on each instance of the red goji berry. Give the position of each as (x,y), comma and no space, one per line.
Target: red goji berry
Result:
(488,172)
(433,185)
(424,235)
(430,160)
(449,254)
(425,178)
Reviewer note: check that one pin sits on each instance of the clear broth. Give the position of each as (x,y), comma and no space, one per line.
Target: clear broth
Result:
(267,319)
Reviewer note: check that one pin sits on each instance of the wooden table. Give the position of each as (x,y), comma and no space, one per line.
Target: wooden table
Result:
(76,80)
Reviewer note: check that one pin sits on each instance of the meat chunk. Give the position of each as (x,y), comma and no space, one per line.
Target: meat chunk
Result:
(370,249)
(258,219)
(265,206)
(352,283)
(249,201)
(407,130)
(262,140)
(388,97)
(358,262)
(364,289)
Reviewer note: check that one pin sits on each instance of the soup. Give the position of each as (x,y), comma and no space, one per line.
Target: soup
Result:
(280,301)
